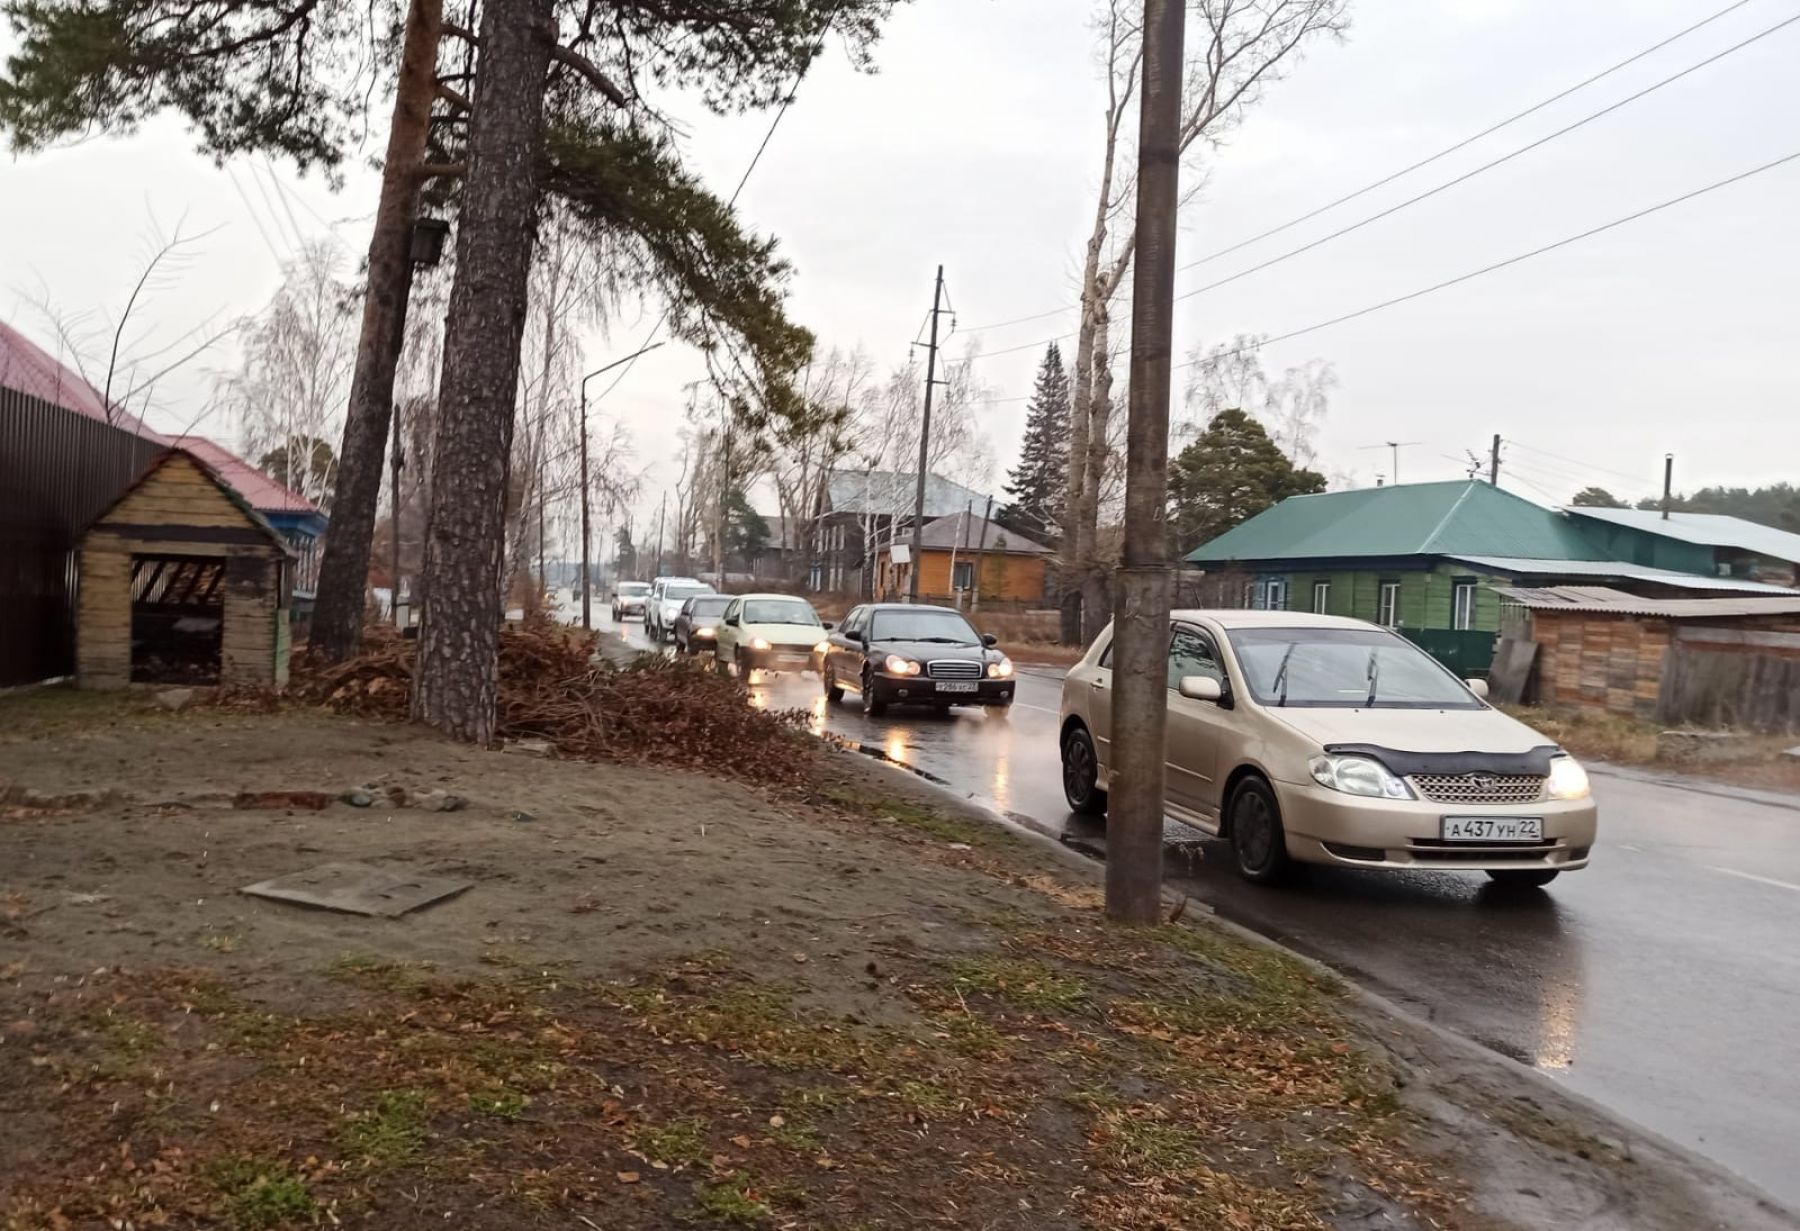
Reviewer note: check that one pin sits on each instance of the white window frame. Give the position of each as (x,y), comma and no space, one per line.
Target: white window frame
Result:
(1275,591)
(1462,604)
(1321,597)
(1387,606)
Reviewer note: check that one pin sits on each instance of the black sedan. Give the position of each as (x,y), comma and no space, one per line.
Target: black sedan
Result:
(696,627)
(906,654)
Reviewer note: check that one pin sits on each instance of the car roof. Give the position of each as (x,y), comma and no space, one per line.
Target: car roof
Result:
(1245,618)
(771,594)
(909,607)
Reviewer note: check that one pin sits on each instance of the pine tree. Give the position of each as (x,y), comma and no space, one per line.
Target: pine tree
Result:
(1228,474)
(1036,484)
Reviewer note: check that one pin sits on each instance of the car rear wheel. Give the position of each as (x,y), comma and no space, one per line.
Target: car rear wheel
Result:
(1522,878)
(1081,774)
(1258,842)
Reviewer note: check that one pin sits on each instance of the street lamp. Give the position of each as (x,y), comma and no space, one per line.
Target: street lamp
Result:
(587,618)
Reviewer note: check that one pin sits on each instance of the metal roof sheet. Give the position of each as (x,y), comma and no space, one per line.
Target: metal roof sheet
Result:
(262,492)
(890,493)
(1415,519)
(1706,529)
(1620,570)
(965,532)
(28,369)
(1617,602)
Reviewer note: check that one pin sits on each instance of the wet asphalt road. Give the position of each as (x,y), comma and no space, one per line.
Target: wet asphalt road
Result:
(1662,981)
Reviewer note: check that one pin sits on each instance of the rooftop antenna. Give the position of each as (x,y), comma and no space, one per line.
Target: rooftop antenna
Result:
(1396,446)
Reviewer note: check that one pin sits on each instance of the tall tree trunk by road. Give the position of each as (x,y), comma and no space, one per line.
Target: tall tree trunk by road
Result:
(344,572)
(455,682)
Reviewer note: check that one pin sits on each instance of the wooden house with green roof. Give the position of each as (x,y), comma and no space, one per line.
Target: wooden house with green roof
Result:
(1425,559)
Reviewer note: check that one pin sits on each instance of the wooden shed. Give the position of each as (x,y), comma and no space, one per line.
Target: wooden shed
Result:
(182,582)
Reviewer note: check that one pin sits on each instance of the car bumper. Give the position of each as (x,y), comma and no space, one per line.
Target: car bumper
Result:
(632,609)
(783,658)
(1325,826)
(915,690)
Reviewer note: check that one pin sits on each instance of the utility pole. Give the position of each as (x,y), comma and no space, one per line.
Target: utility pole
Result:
(1141,597)
(987,516)
(918,527)
(1494,462)
(661,508)
(587,615)
(395,461)
(1668,484)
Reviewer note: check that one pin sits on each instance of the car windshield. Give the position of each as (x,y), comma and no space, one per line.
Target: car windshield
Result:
(684,592)
(634,588)
(708,604)
(922,624)
(1347,668)
(779,611)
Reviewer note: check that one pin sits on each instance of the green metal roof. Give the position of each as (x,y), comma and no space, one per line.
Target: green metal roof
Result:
(1460,518)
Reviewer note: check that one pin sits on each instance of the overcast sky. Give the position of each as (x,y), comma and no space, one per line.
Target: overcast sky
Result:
(976,145)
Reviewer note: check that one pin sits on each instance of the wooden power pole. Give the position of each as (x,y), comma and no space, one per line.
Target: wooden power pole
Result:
(1141,597)
(918,526)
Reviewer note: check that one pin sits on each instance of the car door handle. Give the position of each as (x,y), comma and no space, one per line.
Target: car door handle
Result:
(1096,685)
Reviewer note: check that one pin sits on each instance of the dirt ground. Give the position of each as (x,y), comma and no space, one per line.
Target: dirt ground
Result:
(671,999)
(1762,762)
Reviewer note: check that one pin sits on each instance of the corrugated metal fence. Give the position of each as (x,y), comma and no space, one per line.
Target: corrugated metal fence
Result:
(58,471)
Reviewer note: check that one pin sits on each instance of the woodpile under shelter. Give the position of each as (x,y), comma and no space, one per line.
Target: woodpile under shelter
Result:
(182,582)
(1718,662)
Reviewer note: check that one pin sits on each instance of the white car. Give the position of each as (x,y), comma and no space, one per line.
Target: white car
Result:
(768,632)
(667,594)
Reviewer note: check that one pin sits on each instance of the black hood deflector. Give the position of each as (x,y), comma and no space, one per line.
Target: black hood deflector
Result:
(1406,764)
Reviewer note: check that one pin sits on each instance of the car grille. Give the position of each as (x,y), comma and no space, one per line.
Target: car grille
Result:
(1480,788)
(953,669)
(1430,850)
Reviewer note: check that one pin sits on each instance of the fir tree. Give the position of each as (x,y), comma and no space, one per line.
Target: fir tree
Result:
(1035,485)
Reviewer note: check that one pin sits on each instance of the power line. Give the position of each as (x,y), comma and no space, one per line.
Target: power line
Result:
(1486,166)
(1410,168)
(1499,265)
(1585,466)
(780,112)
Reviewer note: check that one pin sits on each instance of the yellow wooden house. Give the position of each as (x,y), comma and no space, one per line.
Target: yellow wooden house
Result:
(182,582)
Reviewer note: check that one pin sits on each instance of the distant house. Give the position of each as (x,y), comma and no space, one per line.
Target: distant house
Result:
(952,550)
(1426,558)
(1695,543)
(295,518)
(859,510)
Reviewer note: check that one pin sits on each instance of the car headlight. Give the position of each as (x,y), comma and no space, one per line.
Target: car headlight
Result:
(708,631)
(897,665)
(759,643)
(822,648)
(1567,780)
(1358,776)
(1000,670)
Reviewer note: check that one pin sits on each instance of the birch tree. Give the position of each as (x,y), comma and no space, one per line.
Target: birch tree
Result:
(1236,48)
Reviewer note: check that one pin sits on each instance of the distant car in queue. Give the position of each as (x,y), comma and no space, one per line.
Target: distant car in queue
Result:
(696,628)
(1322,739)
(907,654)
(769,632)
(667,594)
(628,600)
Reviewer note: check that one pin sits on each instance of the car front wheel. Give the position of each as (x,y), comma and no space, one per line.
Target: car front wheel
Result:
(834,691)
(873,705)
(1258,841)
(1081,774)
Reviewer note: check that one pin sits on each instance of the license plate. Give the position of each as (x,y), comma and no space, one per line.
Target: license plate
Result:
(958,686)
(1493,829)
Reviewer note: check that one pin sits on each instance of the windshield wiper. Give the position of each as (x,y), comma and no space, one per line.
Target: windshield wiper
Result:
(1280,681)
(1374,678)
(940,640)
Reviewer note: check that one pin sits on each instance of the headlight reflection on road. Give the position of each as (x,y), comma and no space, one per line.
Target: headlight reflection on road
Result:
(896,746)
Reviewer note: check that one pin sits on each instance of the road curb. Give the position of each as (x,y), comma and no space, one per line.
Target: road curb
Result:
(1719,1182)
(1699,786)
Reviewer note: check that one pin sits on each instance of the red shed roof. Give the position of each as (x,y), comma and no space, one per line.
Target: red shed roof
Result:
(260,491)
(27,368)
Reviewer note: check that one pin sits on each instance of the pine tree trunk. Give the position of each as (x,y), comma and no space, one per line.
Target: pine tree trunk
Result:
(455,682)
(344,572)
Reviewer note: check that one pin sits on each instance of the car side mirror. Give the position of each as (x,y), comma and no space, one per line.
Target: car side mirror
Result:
(732,620)
(829,626)
(989,640)
(1478,687)
(1200,688)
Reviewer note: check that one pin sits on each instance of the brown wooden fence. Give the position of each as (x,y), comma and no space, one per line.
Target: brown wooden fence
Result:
(1745,678)
(58,471)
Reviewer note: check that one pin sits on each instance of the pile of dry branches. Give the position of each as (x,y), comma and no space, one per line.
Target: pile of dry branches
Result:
(550,689)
